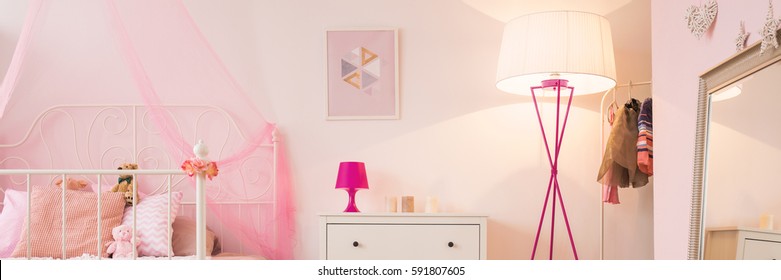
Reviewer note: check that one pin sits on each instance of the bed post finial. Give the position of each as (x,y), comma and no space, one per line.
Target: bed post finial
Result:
(200,150)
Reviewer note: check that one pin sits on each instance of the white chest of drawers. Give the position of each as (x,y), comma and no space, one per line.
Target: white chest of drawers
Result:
(402,236)
(740,243)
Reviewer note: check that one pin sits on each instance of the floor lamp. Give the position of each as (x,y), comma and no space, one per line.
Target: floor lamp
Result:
(556,51)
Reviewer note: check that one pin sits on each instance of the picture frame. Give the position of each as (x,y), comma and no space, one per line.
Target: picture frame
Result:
(362,74)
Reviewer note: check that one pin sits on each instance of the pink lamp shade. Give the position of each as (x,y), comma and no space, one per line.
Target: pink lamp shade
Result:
(352,177)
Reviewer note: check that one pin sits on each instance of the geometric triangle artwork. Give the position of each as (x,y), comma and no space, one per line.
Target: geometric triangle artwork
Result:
(354,59)
(367,80)
(354,80)
(367,56)
(360,68)
(347,68)
(373,67)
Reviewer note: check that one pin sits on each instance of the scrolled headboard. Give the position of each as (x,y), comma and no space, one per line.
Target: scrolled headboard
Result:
(105,136)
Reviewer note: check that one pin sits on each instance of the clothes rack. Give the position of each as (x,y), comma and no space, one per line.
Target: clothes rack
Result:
(631,84)
(602,149)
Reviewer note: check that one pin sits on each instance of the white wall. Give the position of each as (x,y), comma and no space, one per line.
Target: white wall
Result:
(459,138)
(678,59)
(629,225)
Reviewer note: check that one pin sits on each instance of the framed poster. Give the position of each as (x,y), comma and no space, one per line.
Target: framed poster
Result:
(362,74)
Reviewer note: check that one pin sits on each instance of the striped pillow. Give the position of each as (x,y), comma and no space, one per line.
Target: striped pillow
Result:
(152,223)
(81,229)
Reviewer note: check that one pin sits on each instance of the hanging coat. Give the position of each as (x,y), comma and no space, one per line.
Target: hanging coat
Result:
(621,151)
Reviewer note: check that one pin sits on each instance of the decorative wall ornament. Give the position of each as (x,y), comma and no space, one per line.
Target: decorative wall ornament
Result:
(740,42)
(768,31)
(700,18)
(362,73)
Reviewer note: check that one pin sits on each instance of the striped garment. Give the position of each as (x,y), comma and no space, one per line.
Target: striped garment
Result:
(645,139)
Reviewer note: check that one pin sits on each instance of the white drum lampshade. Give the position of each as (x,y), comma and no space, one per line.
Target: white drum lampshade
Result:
(569,45)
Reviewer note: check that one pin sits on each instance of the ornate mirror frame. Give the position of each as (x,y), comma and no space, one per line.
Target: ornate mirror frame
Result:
(737,67)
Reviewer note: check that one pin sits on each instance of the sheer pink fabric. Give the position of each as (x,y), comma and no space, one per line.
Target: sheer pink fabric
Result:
(148,52)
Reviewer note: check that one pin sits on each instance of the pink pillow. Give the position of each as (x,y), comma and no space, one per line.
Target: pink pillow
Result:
(82,223)
(12,220)
(184,237)
(152,223)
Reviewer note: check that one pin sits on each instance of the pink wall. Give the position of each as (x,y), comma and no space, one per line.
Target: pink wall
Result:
(678,59)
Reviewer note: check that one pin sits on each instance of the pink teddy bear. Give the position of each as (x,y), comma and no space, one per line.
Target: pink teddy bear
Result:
(121,247)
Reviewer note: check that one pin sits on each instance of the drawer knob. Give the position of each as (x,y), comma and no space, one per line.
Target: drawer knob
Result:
(450,244)
(355,244)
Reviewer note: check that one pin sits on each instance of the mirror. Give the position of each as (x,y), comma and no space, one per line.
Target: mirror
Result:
(737,149)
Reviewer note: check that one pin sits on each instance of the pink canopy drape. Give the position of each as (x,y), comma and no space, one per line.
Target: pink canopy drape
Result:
(149,52)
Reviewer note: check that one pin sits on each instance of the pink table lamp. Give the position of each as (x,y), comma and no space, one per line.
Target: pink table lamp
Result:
(352,177)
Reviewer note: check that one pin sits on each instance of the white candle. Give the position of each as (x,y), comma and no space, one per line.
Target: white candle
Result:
(766,222)
(390,204)
(432,204)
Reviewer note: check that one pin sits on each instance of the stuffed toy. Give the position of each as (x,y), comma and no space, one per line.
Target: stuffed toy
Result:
(122,246)
(72,184)
(125,183)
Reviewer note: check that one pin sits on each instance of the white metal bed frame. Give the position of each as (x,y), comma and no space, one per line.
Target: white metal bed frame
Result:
(200,150)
